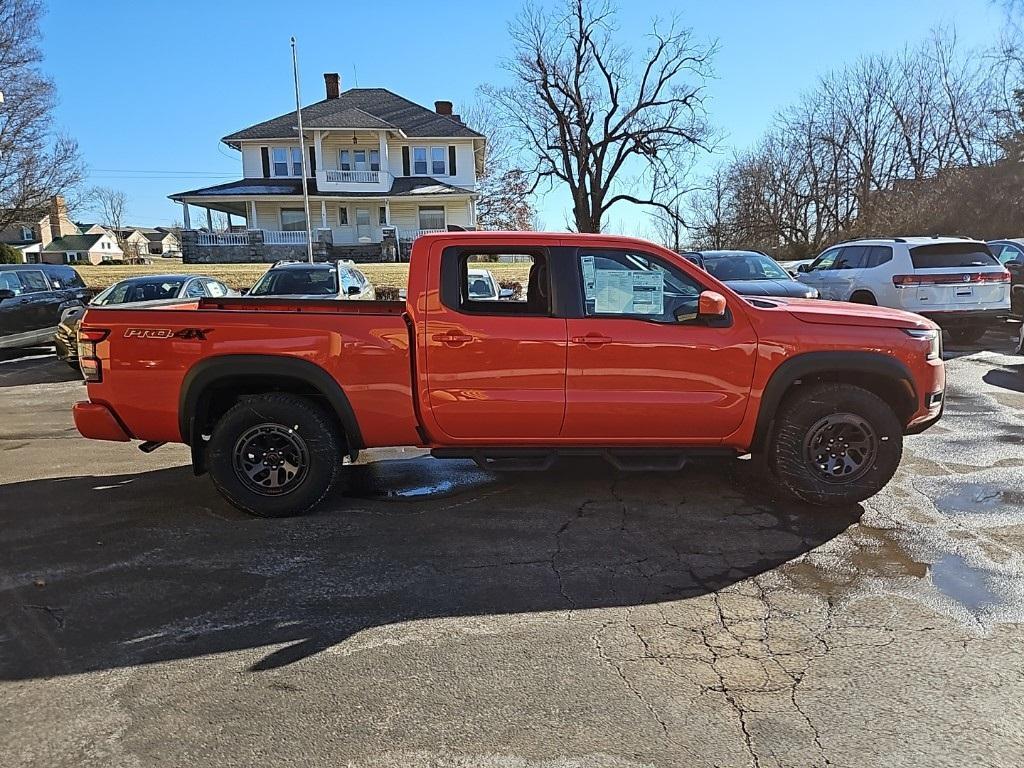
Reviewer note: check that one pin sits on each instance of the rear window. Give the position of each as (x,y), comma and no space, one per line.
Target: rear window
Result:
(297,282)
(955,255)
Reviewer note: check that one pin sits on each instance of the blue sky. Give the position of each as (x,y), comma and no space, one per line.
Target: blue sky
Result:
(148,88)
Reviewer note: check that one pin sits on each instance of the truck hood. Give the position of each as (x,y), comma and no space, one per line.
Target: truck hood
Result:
(845,313)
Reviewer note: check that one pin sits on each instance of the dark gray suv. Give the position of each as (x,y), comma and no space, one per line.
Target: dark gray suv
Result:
(32,298)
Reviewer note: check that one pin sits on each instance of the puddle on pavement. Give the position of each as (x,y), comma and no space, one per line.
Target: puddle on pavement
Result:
(954,577)
(980,498)
(879,558)
(417,478)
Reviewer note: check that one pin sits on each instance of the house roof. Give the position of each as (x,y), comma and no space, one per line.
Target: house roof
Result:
(374,108)
(404,186)
(72,243)
(156,235)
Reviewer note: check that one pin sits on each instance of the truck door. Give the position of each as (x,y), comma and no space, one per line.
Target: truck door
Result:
(495,367)
(640,366)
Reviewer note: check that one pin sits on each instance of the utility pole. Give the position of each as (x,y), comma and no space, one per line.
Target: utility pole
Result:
(302,151)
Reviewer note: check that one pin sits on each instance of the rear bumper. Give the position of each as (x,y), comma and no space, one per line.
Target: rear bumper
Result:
(66,343)
(947,318)
(97,422)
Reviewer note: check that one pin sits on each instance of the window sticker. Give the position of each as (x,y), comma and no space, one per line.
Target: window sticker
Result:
(629,292)
(587,264)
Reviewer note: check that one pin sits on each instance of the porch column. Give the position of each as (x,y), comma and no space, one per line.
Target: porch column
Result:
(250,215)
(229,220)
(318,147)
(323,214)
(209,220)
(184,214)
(385,166)
(387,211)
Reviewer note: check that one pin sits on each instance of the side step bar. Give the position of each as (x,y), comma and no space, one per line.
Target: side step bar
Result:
(541,459)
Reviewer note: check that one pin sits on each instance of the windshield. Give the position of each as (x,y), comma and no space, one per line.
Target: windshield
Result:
(481,286)
(297,282)
(745,266)
(131,291)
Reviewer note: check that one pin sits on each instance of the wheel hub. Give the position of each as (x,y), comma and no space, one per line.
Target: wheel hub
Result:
(270,459)
(841,447)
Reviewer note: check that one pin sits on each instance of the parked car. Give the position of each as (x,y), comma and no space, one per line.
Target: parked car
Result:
(1010,253)
(619,348)
(147,289)
(32,298)
(956,282)
(302,280)
(752,273)
(793,265)
(482,285)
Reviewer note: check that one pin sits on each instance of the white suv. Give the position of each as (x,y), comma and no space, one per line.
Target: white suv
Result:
(956,282)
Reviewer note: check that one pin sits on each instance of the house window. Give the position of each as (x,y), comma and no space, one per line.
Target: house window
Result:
(419,161)
(437,161)
(382,215)
(280,161)
(359,159)
(432,217)
(293,220)
(344,160)
(296,161)
(26,233)
(343,216)
(374,159)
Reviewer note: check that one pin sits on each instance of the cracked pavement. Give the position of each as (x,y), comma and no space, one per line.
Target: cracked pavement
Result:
(433,614)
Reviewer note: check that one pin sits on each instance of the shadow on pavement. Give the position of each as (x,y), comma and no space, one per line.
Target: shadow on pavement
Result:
(105,572)
(1006,376)
(29,367)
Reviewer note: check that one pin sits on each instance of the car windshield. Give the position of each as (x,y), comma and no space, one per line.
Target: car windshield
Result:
(745,266)
(481,286)
(131,291)
(297,282)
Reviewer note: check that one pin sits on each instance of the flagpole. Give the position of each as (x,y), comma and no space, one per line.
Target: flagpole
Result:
(302,151)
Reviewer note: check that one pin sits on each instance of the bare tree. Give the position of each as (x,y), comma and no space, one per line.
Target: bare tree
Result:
(110,206)
(35,162)
(592,117)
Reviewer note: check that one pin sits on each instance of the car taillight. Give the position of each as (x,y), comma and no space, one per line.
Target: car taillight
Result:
(958,278)
(88,338)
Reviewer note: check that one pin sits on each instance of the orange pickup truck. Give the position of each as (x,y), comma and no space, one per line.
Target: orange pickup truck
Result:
(614,346)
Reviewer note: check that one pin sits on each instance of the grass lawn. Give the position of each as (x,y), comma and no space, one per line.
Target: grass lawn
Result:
(241,276)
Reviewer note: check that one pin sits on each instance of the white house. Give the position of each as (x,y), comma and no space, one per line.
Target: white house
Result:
(377,163)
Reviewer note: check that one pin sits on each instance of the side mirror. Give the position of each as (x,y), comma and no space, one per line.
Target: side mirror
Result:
(7,293)
(710,305)
(505,293)
(804,268)
(352,290)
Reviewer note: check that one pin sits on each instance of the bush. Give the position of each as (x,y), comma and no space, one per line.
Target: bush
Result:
(515,285)
(9,254)
(112,263)
(386,293)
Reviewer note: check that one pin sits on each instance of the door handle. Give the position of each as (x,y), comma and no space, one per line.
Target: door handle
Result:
(453,339)
(591,340)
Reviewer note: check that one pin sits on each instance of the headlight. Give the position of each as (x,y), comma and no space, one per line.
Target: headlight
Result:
(812,293)
(934,339)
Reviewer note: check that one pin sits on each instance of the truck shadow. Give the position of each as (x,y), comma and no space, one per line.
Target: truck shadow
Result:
(107,572)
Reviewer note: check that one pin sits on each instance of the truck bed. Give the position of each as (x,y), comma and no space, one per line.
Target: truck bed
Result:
(151,353)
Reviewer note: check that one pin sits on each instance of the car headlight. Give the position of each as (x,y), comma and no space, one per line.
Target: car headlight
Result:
(934,339)
(812,293)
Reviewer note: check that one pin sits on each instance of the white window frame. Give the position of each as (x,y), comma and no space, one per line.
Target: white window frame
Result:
(382,215)
(296,152)
(343,213)
(344,152)
(374,164)
(444,161)
(27,233)
(280,218)
(291,152)
(426,162)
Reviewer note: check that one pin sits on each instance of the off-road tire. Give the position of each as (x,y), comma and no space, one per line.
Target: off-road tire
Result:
(966,334)
(294,418)
(787,452)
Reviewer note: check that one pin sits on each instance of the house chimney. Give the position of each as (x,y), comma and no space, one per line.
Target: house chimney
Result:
(443,108)
(59,223)
(332,83)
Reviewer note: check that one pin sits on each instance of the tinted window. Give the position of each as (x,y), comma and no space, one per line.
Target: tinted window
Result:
(620,283)
(128,292)
(65,277)
(215,289)
(9,282)
(33,281)
(879,254)
(297,282)
(952,255)
(195,290)
(1006,253)
(852,257)
(745,266)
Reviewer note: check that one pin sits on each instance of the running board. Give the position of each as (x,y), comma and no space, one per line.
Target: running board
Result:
(540,459)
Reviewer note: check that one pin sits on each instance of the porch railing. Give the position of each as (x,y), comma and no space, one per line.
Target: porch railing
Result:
(222,238)
(412,234)
(280,237)
(352,177)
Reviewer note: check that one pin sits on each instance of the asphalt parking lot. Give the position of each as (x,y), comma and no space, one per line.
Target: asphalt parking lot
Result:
(437,615)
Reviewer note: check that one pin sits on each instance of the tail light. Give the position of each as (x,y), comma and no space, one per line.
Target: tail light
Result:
(960,278)
(88,338)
